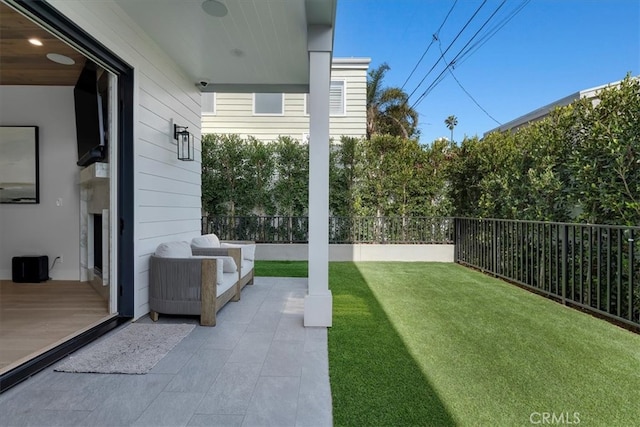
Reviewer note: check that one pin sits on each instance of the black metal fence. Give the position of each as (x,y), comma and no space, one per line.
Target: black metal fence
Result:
(261,229)
(286,229)
(596,267)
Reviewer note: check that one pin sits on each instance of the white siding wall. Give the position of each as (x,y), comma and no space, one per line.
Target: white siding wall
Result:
(234,112)
(166,190)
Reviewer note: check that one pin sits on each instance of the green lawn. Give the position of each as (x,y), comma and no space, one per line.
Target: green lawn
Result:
(440,344)
(280,268)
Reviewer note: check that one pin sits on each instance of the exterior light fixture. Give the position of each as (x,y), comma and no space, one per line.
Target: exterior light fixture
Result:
(34,41)
(184,141)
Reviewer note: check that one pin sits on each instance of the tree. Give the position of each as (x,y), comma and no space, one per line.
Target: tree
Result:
(451,122)
(388,110)
(291,188)
(343,174)
(224,182)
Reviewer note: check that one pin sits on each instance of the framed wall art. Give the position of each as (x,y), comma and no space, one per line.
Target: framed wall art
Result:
(19,165)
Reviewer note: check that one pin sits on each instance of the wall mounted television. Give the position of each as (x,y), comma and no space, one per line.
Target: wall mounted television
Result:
(90,101)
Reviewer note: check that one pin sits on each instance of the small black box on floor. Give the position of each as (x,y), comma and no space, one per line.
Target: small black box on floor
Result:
(30,269)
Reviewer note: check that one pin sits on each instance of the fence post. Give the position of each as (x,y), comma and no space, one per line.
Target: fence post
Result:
(456,239)
(494,247)
(456,246)
(631,272)
(565,256)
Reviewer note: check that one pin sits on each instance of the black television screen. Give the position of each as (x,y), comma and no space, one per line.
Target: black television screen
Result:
(90,132)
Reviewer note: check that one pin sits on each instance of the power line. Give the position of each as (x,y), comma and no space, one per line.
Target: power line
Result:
(448,47)
(438,79)
(492,31)
(465,54)
(433,39)
(469,95)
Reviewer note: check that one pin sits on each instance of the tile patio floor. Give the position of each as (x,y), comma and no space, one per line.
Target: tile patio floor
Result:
(258,367)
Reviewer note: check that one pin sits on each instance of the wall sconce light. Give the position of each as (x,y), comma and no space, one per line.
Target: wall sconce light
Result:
(184,141)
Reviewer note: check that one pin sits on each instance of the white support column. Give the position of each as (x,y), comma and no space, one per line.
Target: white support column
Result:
(318,302)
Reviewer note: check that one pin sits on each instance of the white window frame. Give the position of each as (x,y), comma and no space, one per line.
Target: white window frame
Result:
(215,100)
(344,100)
(267,114)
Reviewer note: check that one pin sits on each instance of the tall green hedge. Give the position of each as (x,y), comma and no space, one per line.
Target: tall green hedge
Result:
(581,163)
(384,176)
(245,176)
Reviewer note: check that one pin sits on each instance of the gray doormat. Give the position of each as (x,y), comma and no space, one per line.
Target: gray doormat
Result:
(135,349)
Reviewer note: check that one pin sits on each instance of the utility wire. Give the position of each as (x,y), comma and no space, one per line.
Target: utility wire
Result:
(423,95)
(448,47)
(465,54)
(433,39)
(468,94)
(492,31)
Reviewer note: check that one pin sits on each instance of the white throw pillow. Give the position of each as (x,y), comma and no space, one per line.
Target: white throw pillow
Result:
(229,265)
(248,251)
(205,241)
(225,264)
(173,250)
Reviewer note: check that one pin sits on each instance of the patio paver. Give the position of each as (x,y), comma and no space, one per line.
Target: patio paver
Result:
(258,367)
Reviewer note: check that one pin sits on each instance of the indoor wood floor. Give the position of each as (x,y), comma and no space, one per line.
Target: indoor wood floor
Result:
(35,317)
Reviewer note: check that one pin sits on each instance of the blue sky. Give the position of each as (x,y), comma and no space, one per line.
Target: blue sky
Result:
(550,49)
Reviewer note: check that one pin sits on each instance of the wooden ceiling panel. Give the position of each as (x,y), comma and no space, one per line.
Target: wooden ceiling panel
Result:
(22,63)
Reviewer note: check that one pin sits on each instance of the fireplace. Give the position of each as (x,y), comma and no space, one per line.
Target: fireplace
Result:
(95,240)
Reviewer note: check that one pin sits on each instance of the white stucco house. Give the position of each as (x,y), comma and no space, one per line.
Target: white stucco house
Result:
(151,58)
(266,116)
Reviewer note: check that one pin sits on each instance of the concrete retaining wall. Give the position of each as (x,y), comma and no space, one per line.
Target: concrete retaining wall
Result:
(357,252)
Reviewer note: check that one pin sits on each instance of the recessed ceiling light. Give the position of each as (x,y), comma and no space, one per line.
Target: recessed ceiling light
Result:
(214,8)
(35,42)
(60,59)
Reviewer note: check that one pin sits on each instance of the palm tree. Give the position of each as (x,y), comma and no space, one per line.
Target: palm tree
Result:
(388,110)
(451,122)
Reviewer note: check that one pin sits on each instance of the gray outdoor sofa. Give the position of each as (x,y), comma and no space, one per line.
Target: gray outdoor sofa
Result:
(180,283)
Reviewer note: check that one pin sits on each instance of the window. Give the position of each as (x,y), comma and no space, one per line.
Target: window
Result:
(336,99)
(208,103)
(268,103)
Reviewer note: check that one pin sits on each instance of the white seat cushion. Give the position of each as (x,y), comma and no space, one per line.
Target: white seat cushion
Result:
(247,266)
(226,281)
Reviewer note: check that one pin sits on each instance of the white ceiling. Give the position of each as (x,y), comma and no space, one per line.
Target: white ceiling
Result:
(260,45)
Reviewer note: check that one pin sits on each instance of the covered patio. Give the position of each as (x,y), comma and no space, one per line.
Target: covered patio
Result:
(158,58)
(258,366)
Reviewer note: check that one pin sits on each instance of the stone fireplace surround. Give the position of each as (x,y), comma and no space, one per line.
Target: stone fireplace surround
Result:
(94,200)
